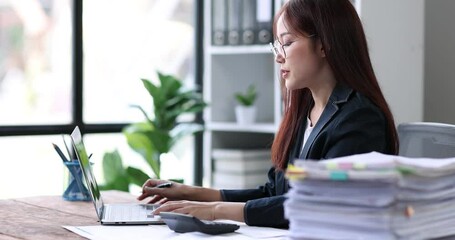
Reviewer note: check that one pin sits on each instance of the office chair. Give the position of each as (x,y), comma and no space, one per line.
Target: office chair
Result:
(426,139)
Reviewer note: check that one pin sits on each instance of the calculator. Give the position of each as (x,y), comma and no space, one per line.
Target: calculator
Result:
(183,223)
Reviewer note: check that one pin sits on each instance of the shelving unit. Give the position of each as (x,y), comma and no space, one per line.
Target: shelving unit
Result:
(227,70)
(231,69)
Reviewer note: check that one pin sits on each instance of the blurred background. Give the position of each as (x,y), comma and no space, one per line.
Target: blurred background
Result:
(123,41)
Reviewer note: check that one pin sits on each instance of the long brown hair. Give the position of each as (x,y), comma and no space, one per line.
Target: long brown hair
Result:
(338,27)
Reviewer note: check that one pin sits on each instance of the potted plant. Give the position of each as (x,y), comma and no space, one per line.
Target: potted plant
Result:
(245,111)
(157,134)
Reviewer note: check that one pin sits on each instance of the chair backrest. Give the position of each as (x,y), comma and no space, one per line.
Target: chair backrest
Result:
(427,139)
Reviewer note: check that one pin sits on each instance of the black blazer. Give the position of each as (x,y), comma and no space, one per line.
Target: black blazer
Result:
(350,124)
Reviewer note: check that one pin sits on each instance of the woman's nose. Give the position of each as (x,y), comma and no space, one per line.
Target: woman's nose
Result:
(279,58)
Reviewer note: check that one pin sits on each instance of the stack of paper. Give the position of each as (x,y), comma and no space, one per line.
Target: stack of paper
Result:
(371,196)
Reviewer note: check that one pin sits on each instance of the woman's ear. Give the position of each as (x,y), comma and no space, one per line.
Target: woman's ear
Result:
(320,48)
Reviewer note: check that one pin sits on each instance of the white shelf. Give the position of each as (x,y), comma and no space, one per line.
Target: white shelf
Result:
(243,49)
(230,69)
(234,127)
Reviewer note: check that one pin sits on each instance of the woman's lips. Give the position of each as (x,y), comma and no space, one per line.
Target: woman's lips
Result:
(284,73)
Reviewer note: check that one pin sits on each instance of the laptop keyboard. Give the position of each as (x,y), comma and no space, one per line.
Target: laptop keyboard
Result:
(127,212)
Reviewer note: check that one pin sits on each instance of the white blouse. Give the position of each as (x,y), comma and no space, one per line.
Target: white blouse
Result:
(307,133)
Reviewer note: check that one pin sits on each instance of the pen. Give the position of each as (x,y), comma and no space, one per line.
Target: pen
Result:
(67,148)
(62,156)
(164,185)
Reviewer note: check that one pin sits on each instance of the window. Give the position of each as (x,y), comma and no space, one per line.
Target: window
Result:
(132,40)
(47,86)
(35,62)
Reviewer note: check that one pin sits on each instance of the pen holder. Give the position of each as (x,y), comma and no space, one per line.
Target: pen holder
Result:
(76,190)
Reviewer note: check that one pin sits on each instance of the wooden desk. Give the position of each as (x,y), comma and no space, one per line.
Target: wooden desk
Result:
(43,217)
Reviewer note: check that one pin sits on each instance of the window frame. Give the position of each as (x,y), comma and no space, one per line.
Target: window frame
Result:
(77,91)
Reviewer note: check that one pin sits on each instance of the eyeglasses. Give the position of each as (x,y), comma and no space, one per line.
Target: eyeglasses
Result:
(278,48)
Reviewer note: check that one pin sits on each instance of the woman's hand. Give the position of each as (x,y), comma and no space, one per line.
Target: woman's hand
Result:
(201,210)
(205,210)
(176,191)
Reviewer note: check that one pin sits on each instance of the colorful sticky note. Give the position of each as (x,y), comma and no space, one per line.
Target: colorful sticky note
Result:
(331,165)
(359,166)
(338,175)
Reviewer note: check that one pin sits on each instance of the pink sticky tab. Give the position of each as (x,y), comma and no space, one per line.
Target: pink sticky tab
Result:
(345,165)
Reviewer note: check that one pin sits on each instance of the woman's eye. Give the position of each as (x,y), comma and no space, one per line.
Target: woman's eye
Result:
(287,44)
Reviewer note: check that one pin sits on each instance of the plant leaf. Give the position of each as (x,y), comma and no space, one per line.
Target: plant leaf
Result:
(137,176)
(144,113)
(248,98)
(169,84)
(153,90)
(140,138)
(185,129)
(122,185)
(114,173)
(160,139)
(149,143)
(112,166)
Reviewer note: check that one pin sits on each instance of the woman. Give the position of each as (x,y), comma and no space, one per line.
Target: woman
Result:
(333,107)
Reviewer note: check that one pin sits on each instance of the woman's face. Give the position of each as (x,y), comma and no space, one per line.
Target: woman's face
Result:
(304,60)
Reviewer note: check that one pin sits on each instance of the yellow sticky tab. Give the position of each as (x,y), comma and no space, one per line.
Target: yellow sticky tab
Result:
(331,165)
(291,167)
(295,173)
(359,166)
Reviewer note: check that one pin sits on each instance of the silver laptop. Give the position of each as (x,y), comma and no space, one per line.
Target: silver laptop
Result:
(111,214)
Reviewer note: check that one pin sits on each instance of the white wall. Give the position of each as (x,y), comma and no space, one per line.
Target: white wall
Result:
(440,61)
(395,33)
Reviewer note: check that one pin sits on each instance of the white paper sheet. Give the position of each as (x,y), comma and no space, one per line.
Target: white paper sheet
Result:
(163,232)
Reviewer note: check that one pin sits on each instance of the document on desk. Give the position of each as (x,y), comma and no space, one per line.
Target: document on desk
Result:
(101,232)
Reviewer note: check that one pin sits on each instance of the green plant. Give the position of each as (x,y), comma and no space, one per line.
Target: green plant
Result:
(248,98)
(157,134)
(118,177)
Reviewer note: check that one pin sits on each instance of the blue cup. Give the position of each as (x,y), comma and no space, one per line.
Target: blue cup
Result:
(76,190)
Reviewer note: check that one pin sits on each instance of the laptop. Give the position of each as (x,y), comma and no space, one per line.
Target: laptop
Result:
(111,214)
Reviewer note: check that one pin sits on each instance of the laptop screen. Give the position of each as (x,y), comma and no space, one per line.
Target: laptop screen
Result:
(90,180)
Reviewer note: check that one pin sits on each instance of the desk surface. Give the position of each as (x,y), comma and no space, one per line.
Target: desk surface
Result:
(43,217)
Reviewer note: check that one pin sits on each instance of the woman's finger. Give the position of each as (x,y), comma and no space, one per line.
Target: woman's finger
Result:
(155,199)
(148,191)
(148,183)
(151,191)
(171,206)
(145,194)
(161,201)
